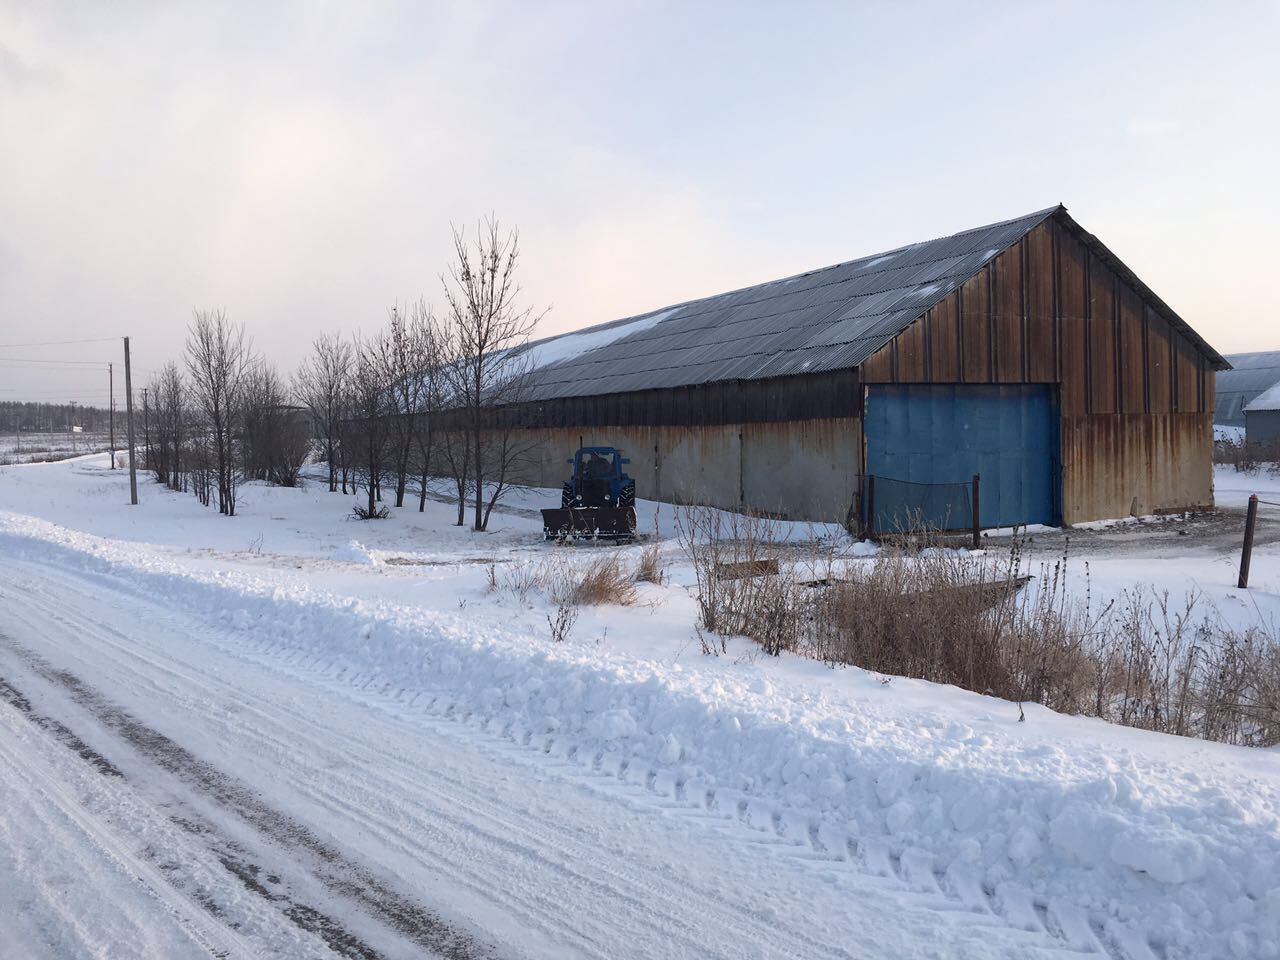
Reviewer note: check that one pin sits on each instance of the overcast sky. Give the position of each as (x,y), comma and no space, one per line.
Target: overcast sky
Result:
(300,164)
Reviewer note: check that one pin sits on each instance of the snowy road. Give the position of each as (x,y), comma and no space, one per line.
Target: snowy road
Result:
(175,792)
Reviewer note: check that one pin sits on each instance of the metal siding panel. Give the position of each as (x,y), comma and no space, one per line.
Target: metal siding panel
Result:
(943,344)
(1102,338)
(1009,315)
(1071,304)
(910,354)
(1188,381)
(1042,322)
(944,434)
(1159,362)
(1133,366)
(975,329)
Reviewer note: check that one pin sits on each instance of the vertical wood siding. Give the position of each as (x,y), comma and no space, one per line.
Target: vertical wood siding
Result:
(1135,395)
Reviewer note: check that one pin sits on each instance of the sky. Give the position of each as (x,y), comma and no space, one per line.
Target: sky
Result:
(300,164)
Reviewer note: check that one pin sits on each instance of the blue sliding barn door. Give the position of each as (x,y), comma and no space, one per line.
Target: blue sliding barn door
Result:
(925,442)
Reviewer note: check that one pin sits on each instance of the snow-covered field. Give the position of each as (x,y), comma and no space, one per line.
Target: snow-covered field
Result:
(44,447)
(256,737)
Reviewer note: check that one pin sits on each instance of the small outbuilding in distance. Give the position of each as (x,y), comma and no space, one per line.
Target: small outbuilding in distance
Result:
(1252,377)
(1024,352)
(1262,418)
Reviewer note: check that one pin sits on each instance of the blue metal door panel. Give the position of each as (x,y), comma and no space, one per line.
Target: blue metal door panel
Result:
(920,435)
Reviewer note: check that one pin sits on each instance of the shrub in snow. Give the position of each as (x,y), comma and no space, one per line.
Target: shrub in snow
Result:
(649,569)
(953,617)
(604,581)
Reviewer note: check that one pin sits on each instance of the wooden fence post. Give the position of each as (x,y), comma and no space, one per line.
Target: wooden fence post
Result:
(1251,521)
(977,525)
(869,533)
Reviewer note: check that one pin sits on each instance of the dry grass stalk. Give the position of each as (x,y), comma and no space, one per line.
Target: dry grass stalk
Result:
(650,569)
(952,617)
(604,581)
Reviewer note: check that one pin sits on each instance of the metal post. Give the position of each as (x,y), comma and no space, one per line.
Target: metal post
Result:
(870,531)
(977,525)
(1246,554)
(128,403)
(111,410)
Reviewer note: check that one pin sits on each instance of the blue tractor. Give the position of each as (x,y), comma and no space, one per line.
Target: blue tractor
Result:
(598,501)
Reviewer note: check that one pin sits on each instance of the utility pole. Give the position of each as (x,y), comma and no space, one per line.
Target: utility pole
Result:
(128,403)
(111,410)
(71,427)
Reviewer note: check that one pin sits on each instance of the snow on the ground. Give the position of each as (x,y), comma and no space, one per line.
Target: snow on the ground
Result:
(40,447)
(1138,836)
(1232,488)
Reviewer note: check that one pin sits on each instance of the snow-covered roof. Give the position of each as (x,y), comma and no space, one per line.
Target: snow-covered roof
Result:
(1267,400)
(833,318)
(1251,374)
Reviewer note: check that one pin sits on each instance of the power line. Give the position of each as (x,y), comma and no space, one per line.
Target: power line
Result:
(77,363)
(58,343)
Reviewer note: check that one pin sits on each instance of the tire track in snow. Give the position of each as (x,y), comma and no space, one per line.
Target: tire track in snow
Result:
(216,939)
(1038,918)
(343,876)
(582,860)
(233,858)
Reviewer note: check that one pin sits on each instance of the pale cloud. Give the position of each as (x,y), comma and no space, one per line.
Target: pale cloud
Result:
(300,165)
(1151,127)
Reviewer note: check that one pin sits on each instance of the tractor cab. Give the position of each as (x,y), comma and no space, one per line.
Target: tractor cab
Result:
(598,500)
(598,478)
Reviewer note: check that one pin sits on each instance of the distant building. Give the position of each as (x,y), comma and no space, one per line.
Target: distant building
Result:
(1262,417)
(1251,375)
(1024,351)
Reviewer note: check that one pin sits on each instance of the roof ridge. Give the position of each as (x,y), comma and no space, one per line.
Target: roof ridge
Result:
(1038,216)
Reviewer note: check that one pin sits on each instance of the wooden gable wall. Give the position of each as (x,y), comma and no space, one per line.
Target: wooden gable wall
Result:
(1048,310)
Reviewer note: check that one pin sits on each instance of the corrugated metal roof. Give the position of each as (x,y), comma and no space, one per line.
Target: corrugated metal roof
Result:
(827,319)
(1251,375)
(1268,400)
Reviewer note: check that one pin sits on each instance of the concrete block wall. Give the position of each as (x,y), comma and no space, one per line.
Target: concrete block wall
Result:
(800,470)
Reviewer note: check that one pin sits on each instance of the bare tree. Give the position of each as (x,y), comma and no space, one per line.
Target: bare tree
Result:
(366,429)
(219,356)
(321,384)
(434,349)
(455,447)
(168,436)
(275,438)
(403,352)
(170,417)
(487,372)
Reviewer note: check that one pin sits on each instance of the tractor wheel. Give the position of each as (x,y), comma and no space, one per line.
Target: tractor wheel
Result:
(627,497)
(566,496)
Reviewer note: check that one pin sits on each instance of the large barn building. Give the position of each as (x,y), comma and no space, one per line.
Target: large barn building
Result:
(1024,352)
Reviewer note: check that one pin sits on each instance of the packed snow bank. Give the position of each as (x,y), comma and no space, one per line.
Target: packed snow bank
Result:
(354,552)
(1177,839)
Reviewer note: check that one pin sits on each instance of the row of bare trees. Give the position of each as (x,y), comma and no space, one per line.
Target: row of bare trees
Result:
(422,402)
(222,416)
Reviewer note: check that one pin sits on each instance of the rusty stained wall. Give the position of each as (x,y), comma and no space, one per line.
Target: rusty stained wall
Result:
(1136,397)
(797,470)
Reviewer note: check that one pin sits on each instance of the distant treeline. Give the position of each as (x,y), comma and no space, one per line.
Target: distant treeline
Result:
(19,417)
